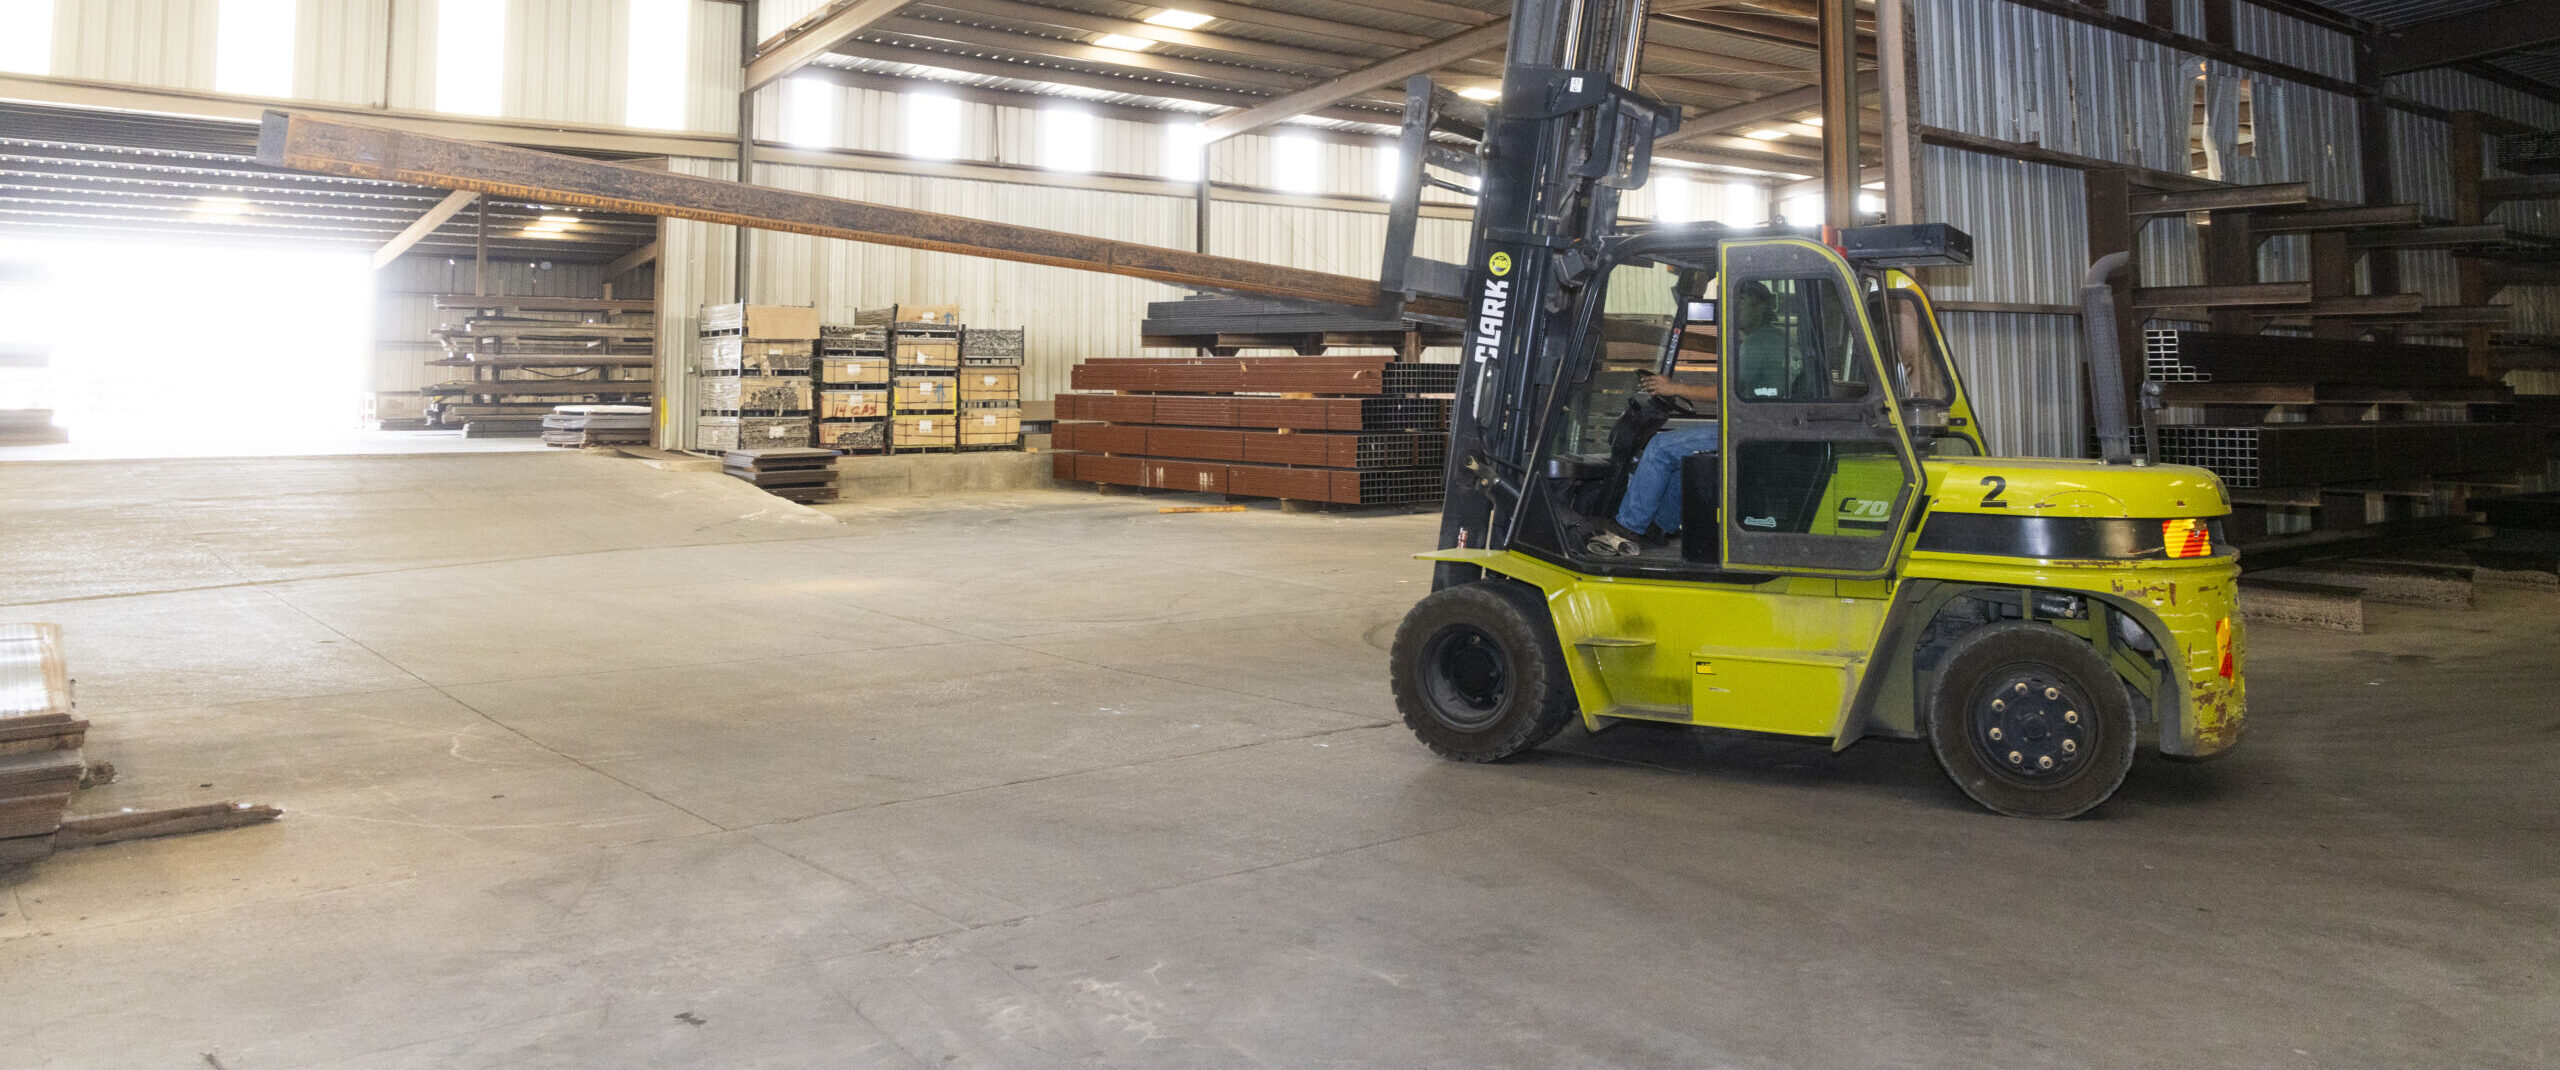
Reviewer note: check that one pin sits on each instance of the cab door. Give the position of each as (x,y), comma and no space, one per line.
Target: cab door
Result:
(1819,473)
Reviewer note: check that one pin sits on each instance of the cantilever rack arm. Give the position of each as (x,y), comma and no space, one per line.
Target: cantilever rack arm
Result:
(357,150)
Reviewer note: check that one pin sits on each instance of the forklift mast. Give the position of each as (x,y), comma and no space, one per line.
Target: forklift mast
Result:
(1567,136)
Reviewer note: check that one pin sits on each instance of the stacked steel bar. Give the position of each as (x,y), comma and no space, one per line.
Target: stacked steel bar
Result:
(1367,430)
(40,762)
(524,355)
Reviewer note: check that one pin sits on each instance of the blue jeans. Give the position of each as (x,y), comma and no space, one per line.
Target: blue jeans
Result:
(1653,492)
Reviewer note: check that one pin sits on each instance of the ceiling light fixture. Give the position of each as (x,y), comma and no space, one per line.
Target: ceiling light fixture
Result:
(222,206)
(1477,92)
(1178,19)
(1125,43)
(559,219)
(1764,134)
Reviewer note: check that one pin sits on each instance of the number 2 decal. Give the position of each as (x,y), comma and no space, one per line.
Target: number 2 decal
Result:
(1991,498)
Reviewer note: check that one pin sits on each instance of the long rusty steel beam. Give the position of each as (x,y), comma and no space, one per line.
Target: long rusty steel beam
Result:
(329,146)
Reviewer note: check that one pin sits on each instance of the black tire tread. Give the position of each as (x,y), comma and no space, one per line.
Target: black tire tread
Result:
(1979,651)
(1514,614)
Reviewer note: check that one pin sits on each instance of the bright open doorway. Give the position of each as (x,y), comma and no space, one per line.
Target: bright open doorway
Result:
(145,349)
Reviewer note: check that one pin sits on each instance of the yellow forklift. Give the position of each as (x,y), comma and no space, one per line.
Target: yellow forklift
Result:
(1848,559)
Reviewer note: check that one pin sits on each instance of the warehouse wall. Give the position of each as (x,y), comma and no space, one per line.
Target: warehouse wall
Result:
(2422,172)
(564,61)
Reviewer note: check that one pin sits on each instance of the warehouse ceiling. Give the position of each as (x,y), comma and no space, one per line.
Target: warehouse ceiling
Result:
(72,172)
(1211,56)
(2517,38)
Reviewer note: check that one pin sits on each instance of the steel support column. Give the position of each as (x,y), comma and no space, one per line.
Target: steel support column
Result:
(1840,175)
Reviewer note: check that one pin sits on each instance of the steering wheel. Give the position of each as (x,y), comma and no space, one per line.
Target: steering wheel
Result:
(1667,406)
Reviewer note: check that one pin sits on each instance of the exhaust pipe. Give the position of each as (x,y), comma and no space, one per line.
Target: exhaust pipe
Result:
(2106,357)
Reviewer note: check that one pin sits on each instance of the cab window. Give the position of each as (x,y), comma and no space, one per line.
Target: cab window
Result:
(1794,340)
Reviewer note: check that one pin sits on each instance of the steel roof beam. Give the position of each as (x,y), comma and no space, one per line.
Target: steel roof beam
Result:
(426,224)
(1077,20)
(2495,31)
(817,39)
(1448,50)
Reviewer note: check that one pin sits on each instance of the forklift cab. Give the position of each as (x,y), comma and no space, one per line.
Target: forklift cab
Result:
(1830,383)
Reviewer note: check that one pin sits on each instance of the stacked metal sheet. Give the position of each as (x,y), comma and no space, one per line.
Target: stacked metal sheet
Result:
(800,475)
(40,760)
(597,425)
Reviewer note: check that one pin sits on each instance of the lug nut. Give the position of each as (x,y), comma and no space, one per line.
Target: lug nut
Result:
(1998,705)
(2045,762)
(1995,735)
(2070,746)
(2015,757)
(2022,689)
(2071,717)
(2051,694)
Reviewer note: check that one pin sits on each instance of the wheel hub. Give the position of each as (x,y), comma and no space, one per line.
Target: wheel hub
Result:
(1467,675)
(2032,726)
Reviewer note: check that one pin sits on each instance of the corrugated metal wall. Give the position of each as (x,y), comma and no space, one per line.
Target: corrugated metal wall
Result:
(2421,173)
(1992,68)
(564,59)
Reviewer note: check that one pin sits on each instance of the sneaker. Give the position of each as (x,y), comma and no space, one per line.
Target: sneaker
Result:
(1611,544)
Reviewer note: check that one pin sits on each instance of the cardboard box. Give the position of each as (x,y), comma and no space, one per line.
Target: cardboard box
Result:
(853,404)
(751,432)
(930,430)
(925,392)
(927,353)
(836,369)
(930,315)
(990,427)
(990,384)
(763,321)
(775,394)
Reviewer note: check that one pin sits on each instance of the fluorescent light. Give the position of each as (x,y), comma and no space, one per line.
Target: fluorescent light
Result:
(1815,121)
(222,206)
(1764,134)
(1477,92)
(1178,19)
(1125,43)
(560,219)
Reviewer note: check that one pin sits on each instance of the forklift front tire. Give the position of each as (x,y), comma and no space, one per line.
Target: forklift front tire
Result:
(1478,673)
(2030,722)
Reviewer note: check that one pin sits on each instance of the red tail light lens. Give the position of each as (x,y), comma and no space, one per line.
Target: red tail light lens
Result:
(2186,537)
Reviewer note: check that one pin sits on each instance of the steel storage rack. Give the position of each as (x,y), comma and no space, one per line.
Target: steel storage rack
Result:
(752,387)
(854,382)
(924,356)
(990,382)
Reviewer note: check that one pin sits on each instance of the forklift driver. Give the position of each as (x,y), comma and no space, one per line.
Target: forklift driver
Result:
(1652,500)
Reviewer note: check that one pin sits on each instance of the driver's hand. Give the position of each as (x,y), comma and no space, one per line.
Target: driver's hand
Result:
(1650,383)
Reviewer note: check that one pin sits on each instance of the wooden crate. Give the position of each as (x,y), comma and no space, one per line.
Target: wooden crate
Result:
(755,393)
(990,427)
(853,404)
(763,321)
(925,392)
(842,369)
(937,429)
(927,353)
(991,384)
(751,432)
(930,315)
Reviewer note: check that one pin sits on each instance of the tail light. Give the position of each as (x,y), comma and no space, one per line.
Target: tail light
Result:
(2186,537)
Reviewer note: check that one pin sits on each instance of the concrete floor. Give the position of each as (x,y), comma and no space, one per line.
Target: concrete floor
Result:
(591,765)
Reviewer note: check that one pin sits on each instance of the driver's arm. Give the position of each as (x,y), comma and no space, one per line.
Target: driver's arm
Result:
(1669,387)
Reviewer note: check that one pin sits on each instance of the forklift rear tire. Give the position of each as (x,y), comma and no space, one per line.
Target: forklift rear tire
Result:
(2030,722)
(1478,673)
